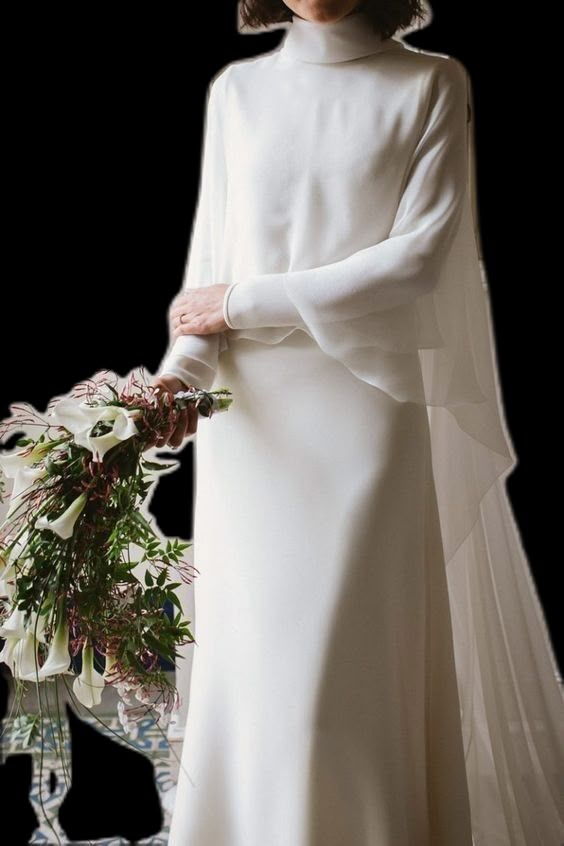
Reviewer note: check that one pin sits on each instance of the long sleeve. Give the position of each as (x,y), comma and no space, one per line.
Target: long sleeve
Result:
(397,269)
(194,358)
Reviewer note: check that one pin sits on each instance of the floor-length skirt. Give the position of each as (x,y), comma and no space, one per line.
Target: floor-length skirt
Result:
(324,707)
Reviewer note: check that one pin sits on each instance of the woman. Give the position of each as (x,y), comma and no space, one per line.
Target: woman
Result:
(367,630)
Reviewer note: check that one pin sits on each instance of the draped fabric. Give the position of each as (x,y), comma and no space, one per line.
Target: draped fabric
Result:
(418,327)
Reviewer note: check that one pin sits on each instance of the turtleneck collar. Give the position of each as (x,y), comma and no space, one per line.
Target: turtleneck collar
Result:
(337,41)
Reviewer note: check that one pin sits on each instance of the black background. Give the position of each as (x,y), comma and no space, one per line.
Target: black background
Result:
(103,119)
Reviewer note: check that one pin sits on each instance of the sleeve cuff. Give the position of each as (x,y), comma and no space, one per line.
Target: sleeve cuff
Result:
(193,359)
(259,301)
(188,371)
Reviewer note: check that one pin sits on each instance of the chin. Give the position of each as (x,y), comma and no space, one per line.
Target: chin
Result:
(325,12)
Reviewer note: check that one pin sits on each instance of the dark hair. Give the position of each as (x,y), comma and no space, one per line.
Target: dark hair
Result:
(386,16)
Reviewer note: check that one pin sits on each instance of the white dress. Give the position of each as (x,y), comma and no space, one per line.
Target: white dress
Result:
(372,665)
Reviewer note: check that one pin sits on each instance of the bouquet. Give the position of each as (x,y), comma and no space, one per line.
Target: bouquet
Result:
(74,538)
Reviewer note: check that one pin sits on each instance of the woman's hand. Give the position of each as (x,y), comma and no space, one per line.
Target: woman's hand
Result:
(187,422)
(198,311)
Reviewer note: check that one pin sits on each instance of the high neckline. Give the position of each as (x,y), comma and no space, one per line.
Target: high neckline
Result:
(335,41)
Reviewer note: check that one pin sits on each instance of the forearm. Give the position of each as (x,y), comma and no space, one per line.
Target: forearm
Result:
(384,276)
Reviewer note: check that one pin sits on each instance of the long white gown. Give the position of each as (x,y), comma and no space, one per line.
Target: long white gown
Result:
(372,665)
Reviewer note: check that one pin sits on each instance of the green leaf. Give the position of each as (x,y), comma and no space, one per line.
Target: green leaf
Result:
(175,601)
(149,581)
(157,465)
(153,643)
(135,662)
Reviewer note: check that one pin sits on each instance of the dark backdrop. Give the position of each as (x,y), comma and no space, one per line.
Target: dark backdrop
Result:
(104,116)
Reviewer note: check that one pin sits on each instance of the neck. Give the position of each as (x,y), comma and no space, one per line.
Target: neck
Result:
(295,15)
(350,37)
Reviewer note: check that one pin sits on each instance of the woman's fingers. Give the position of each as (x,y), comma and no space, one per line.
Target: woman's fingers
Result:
(186,421)
(186,425)
(177,432)
(164,437)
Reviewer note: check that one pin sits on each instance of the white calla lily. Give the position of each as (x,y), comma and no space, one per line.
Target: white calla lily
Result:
(8,581)
(25,658)
(80,418)
(109,669)
(89,685)
(58,658)
(14,625)
(7,652)
(10,575)
(13,463)
(37,625)
(24,479)
(13,564)
(63,525)
(74,416)
(13,551)
(101,444)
